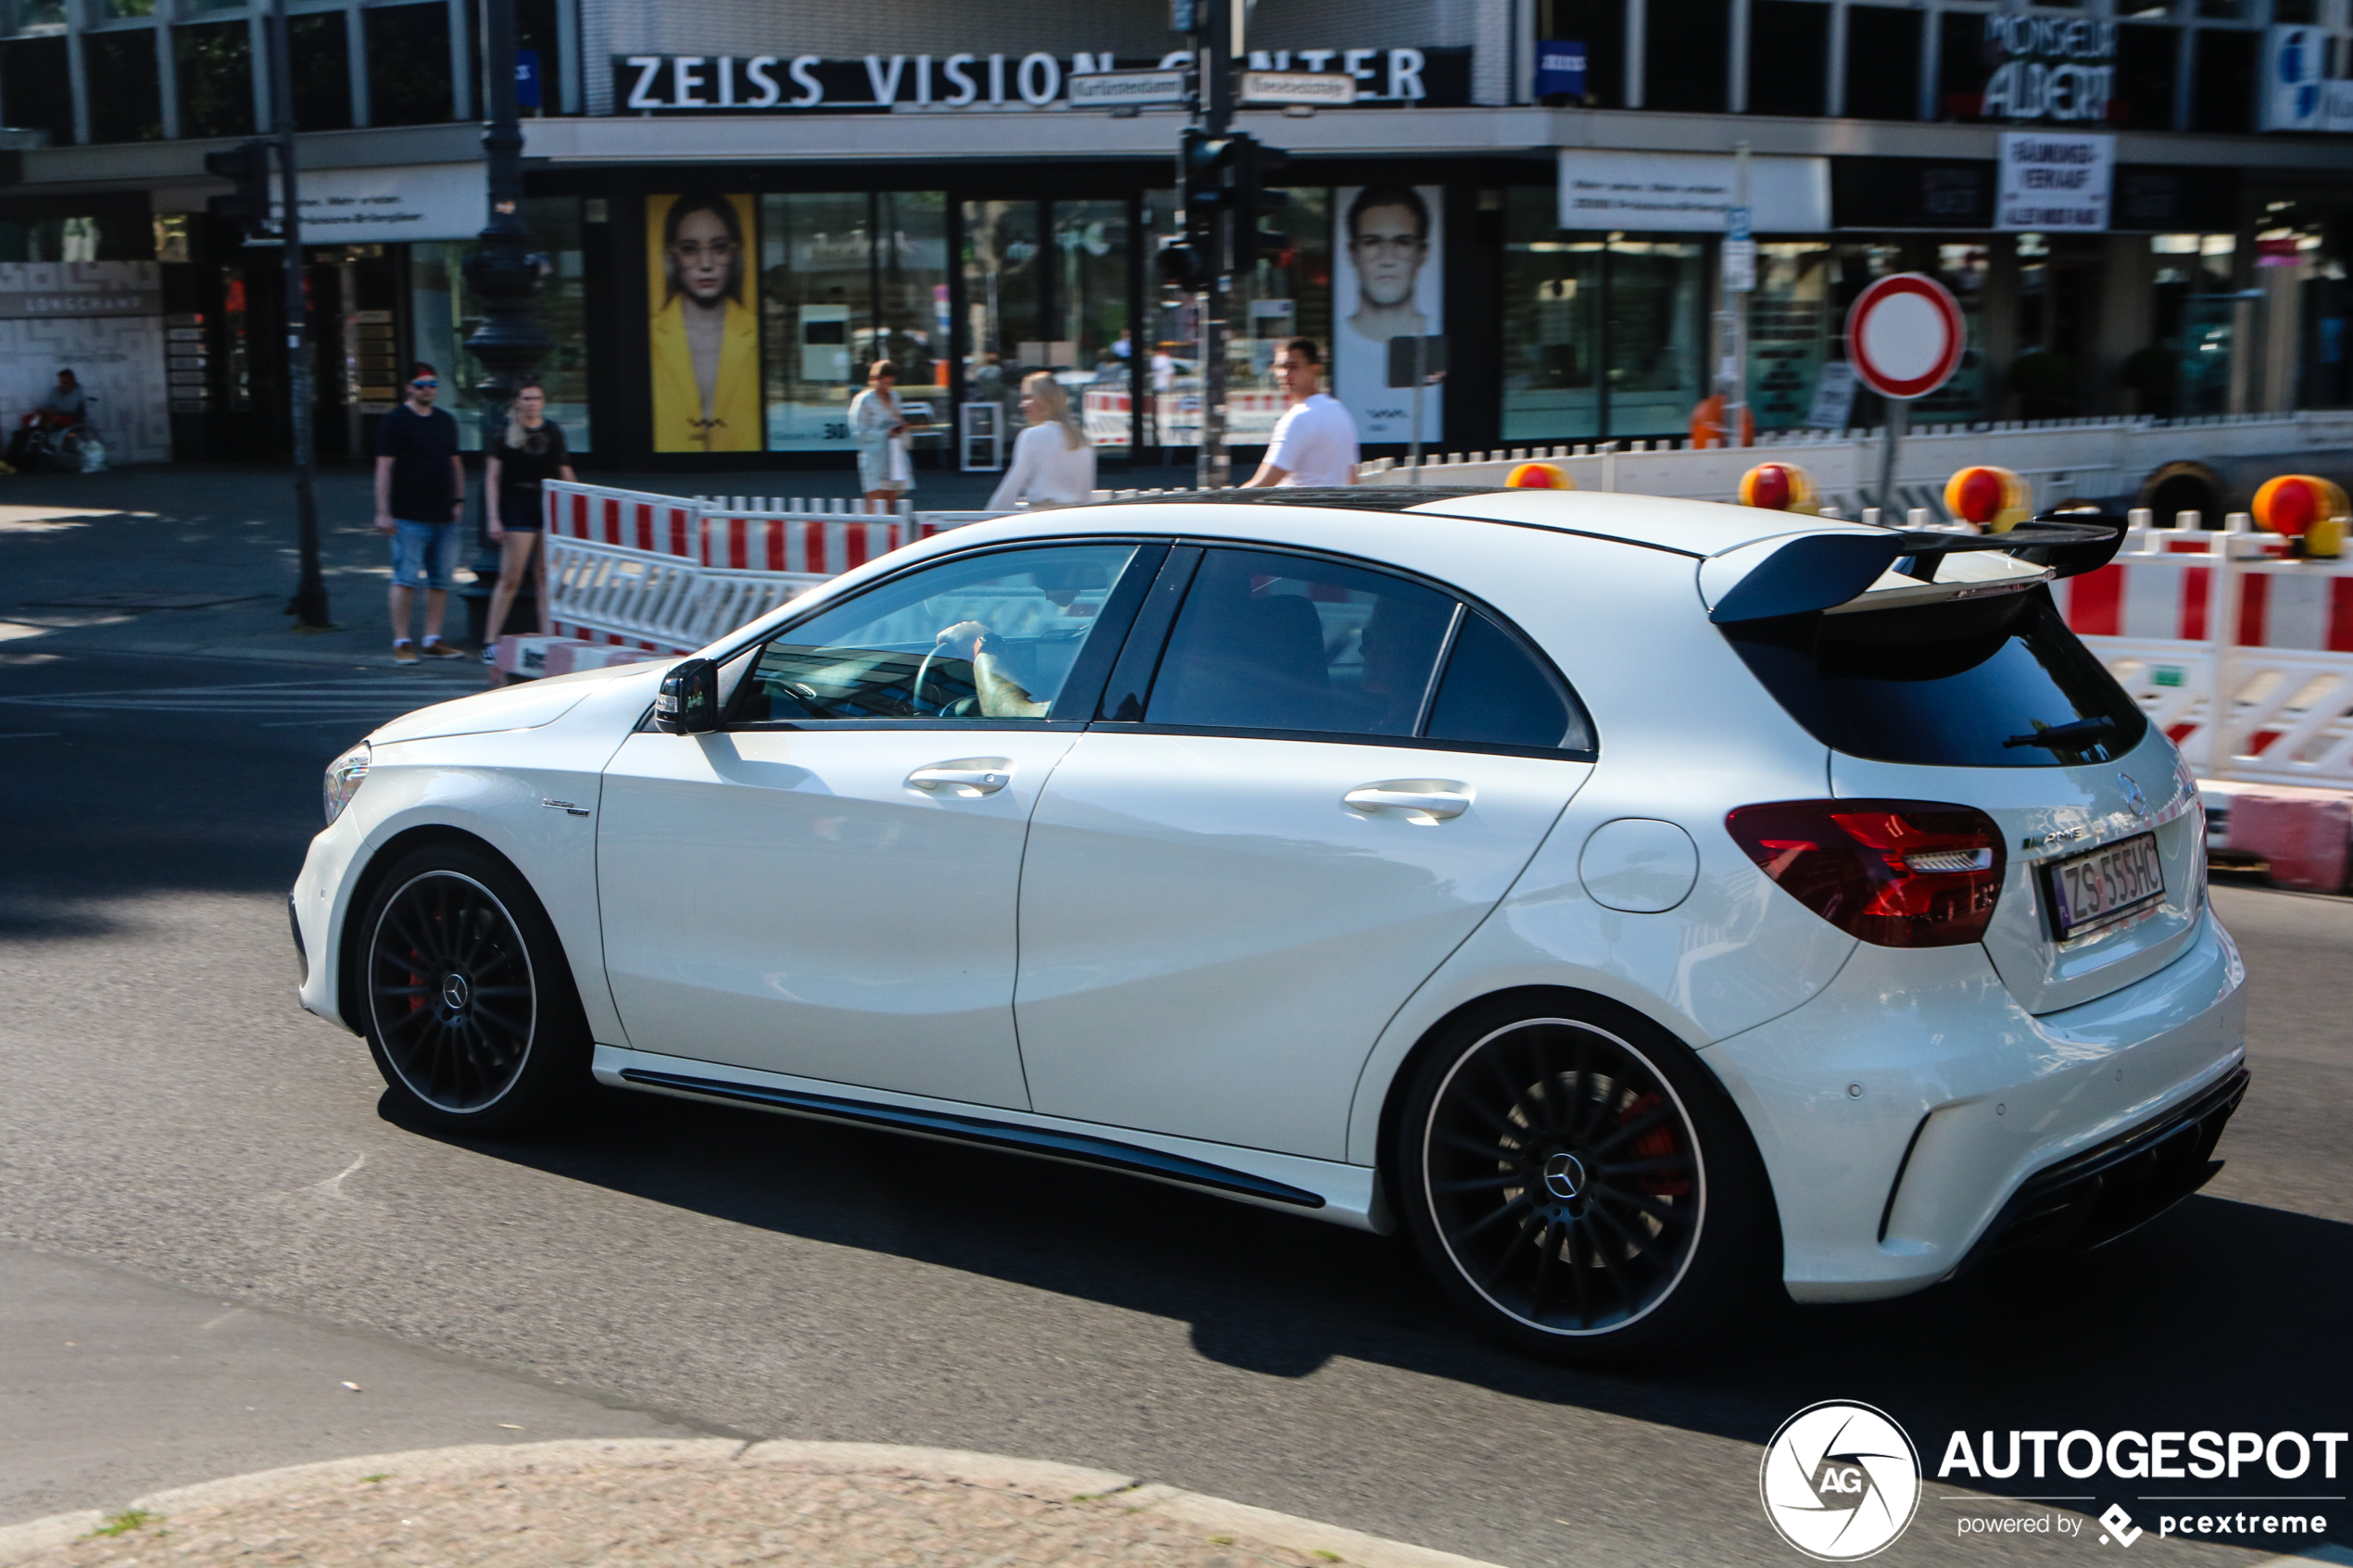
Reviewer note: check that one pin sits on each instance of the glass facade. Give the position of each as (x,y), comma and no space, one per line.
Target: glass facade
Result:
(1603,337)
(440,315)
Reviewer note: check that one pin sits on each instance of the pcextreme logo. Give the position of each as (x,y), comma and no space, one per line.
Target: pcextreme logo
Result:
(1840,1481)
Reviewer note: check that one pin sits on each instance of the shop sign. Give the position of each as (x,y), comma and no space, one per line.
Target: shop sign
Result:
(38,290)
(2296,94)
(1690,192)
(1945,195)
(390,204)
(1560,68)
(2048,68)
(705,85)
(2054,183)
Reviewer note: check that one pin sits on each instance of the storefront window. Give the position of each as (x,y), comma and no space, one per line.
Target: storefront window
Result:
(37,87)
(440,315)
(1789,328)
(1090,315)
(2198,321)
(1172,377)
(1003,251)
(1551,325)
(1656,299)
(1288,295)
(1963,268)
(817,291)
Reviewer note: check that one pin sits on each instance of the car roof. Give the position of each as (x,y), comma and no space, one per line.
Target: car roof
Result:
(1699,529)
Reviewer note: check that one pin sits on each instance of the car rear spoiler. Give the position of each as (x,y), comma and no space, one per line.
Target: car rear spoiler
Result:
(1819,570)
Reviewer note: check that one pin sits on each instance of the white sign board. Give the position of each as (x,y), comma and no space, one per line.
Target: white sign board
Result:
(2054,183)
(1110,89)
(387,206)
(1690,192)
(1318,88)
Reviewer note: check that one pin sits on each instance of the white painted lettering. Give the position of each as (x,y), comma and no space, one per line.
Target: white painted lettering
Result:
(642,96)
(804,77)
(885,84)
(756,73)
(1039,79)
(952,68)
(1405,75)
(685,82)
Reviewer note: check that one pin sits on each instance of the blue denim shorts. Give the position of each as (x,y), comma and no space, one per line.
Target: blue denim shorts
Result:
(424,555)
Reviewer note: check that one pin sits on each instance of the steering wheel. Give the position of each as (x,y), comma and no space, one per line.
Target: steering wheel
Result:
(915,692)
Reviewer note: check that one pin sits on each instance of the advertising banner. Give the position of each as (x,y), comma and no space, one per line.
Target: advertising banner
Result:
(1691,193)
(391,204)
(2054,183)
(1389,283)
(704,333)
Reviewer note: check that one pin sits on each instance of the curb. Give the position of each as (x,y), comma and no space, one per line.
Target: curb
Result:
(1040,1478)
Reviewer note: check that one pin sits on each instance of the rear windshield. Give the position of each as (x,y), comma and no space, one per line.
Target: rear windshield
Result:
(1969,683)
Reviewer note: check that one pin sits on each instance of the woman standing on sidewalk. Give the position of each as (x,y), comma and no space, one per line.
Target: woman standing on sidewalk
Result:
(533,450)
(885,472)
(1053,465)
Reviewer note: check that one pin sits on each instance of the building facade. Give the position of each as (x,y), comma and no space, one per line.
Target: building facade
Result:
(2142,207)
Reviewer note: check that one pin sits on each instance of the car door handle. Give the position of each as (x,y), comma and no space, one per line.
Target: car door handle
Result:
(1431,799)
(967,778)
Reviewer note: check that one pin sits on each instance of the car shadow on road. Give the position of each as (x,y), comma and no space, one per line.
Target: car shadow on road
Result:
(2220,1315)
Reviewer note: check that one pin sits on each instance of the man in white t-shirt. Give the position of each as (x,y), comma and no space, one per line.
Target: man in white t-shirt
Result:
(1315,441)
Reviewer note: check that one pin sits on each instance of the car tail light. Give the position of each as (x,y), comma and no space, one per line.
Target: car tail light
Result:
(1903,873)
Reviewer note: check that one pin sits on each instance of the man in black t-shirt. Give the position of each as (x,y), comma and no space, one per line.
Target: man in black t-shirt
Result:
(421,495)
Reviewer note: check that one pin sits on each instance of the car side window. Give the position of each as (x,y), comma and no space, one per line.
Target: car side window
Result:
(988,636)
(1495,693)
(1278,641)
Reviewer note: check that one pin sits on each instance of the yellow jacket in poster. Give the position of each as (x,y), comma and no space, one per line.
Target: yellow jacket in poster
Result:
(678,415)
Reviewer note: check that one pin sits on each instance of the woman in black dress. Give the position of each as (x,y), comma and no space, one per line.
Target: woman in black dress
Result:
(532,450)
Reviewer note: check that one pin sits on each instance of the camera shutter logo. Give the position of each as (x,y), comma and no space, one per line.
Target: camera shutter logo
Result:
(1840,1481)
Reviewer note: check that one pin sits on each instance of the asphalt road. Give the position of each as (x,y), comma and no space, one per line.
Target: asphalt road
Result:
(169,1114)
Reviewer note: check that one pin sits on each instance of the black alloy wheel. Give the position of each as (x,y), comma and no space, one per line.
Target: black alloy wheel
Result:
(468,1005)
(1581,1184)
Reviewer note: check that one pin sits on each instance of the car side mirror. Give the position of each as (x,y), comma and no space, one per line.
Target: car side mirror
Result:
(689,701)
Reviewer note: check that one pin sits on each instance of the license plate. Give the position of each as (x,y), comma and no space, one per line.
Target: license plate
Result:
(2103,885)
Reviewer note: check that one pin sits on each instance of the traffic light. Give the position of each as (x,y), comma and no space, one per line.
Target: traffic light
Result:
(247,165)
(1253,201)
(1206,165)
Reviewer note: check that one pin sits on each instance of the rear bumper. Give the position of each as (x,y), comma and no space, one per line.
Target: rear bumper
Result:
(1913,1109)
(2091,1198)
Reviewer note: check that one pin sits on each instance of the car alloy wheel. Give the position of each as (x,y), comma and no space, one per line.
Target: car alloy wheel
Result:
(1564,1176)
(451,992)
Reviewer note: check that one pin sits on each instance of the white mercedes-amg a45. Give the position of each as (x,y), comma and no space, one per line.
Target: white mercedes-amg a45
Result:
(1634,901)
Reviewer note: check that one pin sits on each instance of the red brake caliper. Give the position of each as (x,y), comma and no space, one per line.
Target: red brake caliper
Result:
(1657,1144)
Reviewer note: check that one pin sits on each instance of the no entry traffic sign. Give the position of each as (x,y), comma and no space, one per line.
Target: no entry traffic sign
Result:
(1905,336)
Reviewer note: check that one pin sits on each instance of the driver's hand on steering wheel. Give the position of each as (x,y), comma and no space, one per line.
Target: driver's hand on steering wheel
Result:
(963,640)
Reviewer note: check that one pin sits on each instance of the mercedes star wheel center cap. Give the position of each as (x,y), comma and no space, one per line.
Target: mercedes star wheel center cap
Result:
(1564,1176)
(454,992)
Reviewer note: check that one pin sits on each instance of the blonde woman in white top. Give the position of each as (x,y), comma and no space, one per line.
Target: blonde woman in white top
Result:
(1053,464)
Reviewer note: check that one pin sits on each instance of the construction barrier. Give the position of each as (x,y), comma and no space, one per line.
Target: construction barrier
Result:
(2058,459)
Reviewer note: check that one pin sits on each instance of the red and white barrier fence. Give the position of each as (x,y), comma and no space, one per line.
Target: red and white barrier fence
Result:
(2184,613)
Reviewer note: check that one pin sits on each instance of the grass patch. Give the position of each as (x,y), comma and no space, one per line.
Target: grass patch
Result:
(371,1480)
(122,1523)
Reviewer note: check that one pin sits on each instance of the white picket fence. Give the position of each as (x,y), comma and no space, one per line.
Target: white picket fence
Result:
(2061,459)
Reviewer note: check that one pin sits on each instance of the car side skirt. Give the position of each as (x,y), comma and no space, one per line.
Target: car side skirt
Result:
(1320,1189)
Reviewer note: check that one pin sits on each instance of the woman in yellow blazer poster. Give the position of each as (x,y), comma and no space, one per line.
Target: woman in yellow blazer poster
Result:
(705,332)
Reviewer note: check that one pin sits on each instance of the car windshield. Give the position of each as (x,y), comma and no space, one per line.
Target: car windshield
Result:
(1991,682)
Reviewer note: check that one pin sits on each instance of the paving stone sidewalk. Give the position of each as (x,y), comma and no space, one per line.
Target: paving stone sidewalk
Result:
(692,1503)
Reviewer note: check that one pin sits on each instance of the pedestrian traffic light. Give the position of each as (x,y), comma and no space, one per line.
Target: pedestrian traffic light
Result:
(1180,263)
(247,166)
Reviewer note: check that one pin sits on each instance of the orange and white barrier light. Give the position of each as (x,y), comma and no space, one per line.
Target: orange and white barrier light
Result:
(1538,476)
(2307,509)
(1994,499)
(1779,488)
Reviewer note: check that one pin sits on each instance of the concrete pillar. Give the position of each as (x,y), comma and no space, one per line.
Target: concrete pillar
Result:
(2283,317)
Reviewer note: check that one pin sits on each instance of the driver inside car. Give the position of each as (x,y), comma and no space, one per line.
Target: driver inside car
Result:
(997,692)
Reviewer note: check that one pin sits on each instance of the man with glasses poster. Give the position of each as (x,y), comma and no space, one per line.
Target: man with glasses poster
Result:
(420,497)
(1390,285)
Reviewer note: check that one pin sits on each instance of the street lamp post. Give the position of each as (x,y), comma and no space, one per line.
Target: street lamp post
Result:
(309,606)
(503,274)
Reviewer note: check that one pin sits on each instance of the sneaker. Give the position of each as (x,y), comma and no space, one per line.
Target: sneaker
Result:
(404,652)
(437,648)
(490,655)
